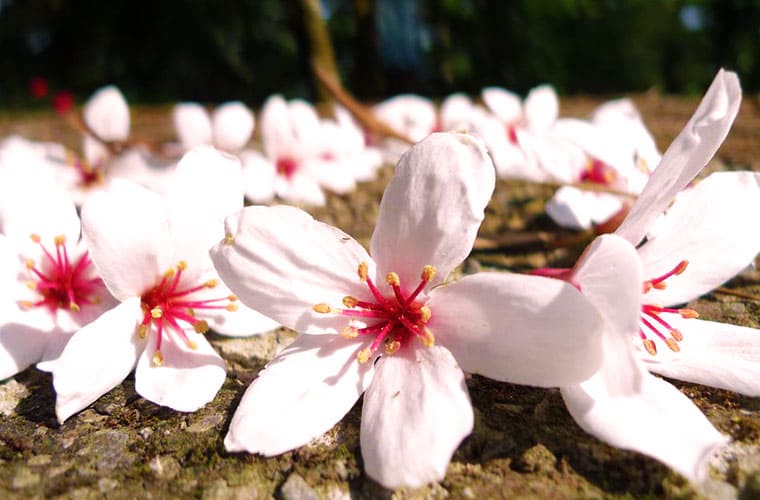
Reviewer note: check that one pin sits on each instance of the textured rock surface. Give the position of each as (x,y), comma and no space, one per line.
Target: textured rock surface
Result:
(524,444)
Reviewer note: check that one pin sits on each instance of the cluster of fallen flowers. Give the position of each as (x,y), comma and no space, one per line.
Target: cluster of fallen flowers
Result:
(145,273)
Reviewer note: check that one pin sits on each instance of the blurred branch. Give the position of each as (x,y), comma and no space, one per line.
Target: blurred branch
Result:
(362,113)
(321,54)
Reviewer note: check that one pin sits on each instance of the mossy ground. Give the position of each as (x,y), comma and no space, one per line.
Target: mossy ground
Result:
(524,444)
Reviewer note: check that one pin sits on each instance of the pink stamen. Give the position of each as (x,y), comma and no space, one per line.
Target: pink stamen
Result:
(286,167)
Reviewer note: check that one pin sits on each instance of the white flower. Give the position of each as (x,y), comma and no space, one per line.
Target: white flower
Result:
(412,115)
(389,325)
(152,253)
(49,287)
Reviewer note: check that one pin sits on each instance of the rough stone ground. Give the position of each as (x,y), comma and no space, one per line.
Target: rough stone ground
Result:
(524,444)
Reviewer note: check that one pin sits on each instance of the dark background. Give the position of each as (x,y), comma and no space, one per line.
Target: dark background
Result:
(168,50)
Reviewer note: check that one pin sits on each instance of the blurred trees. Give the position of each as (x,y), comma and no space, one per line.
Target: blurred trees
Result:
(206,50)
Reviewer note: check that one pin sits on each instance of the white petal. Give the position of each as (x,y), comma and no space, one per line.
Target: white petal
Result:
(208,186)
(282,263)
(258,174)
(433,206)
(240,323)
(687,155)
(97,358)
(713,354)
(517,328)
(415,414)
(541,108)
(193,125)
(707,226)
(412,115)
(455,110)
(609,274)
(106,112)
(20,347)
(658,420)
(187,379)
(127,230)
(276,132)
(299,396)
(233,124)
(506,105)
(576,209)
(301,188)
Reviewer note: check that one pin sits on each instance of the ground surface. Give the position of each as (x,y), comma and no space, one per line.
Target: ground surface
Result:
(524,444)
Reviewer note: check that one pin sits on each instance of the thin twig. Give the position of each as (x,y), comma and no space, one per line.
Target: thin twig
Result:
(362,113)
(737,293)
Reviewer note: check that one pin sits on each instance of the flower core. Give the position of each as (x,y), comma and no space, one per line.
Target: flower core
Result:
(598,172)
(61,281)
(651,319)
(170,303)
(89,175)
(393,320)
(287,167)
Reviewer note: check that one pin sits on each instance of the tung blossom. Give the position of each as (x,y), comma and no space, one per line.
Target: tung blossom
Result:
(390,325)
(49,287)
(152,253)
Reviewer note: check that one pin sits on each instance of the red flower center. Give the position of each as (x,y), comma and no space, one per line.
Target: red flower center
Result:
(287,167)
(598,172)
(171,302)
(61,281)
(651,315)
(392,319)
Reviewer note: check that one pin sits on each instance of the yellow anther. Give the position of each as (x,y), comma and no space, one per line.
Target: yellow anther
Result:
(349,332)
(191,311)
(170,273)
(142,331)
(322,308)
(428,273)
(660,286)
(232,297)
(211,283)
(425,314)
(688,313)
(672,344)
(192,345)
(232,307)
(229,239)
(392,279)
(60,240)
(650,346)
(392,346)
(156,312)
(428,340)
(349,301)
(26,304)
(200,326)
(681,267)
(362,271)
(35,237)
(74,307)
(31,285)
(158,358)
(363,355)
(609,176)
(29,263)
(676,334)
(182,265)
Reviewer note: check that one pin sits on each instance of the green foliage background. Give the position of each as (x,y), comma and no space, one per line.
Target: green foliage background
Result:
(162,51)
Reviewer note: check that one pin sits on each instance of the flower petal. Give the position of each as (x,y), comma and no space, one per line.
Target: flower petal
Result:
(300,188)
(433,206)
(658,420)
(281,262)
(506,105)
(20,347)
(193,124)
(299,396)
(259,174)
(188,378)
(127,229)
(576,209)
(541,108)
(96,359)
(107,114)
(415,414)
(609,275)
(707,226)
(687,155)
(233,124)
(517,328)
(714,354)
